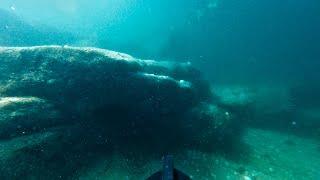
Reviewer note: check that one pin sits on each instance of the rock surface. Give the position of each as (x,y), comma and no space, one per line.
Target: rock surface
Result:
(95,101)
(25,115)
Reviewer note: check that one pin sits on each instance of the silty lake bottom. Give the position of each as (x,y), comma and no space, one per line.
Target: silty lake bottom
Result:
(229,88)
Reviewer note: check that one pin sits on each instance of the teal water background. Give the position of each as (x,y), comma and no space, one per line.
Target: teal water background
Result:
(230,40)
(270,48)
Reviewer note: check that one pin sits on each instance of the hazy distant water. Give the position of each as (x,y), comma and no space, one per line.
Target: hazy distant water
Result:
(232,41)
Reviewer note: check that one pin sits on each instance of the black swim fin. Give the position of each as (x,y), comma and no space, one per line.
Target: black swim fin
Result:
(168,172)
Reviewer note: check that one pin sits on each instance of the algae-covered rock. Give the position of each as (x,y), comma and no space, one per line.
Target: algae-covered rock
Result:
(25,115)
(97,101)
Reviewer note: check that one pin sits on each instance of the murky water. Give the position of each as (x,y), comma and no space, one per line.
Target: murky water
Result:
(229,88)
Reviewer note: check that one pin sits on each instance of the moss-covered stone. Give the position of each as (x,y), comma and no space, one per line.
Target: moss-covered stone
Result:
(97,101)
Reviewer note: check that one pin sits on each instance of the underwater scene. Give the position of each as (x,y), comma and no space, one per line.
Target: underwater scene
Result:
(160,89)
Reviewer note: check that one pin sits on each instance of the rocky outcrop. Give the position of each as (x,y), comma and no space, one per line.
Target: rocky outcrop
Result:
(95,100)
(23,115)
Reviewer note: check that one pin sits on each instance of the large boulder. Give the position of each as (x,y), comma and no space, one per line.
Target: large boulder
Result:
(25,115)
(95,100)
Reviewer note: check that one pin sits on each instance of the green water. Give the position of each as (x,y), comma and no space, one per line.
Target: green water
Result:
(230,88)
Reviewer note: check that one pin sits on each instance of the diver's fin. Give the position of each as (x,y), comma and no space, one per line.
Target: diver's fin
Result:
(168,172)
(177,175)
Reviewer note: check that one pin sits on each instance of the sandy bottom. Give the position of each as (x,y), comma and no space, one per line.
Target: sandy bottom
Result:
(269,155)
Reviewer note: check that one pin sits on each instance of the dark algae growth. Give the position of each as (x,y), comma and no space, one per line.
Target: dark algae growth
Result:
(212,89)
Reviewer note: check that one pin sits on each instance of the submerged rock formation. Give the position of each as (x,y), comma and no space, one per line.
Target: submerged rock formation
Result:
(98,101)
(24,115)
